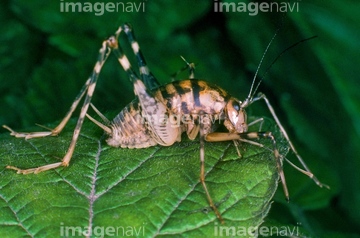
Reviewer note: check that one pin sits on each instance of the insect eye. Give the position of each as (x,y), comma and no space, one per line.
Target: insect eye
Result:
(236,105)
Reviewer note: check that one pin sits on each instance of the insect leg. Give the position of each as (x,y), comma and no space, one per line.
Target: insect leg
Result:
(237,145)
(202,173)
(283,131)
(105,120)
(147,77)
(237,142)
(58,128)
(246,137)
(259,120)
(89,88)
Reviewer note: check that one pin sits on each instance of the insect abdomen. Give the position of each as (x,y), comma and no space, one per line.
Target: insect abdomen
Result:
(128,130)
(193,97)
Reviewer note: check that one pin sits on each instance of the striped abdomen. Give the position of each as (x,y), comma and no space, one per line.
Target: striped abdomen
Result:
(193,97)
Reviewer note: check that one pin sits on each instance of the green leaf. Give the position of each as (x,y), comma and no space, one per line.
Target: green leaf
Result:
(154,191)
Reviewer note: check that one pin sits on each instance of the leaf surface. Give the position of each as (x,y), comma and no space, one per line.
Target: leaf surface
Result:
(138,192)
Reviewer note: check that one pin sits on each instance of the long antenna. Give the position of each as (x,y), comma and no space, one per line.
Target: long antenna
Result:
(258,68)
(277,57)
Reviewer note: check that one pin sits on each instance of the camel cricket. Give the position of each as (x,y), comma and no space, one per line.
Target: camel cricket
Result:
(186,99)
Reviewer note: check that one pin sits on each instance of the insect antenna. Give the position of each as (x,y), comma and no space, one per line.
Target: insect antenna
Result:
(189,66)
(252,92)
(251,98)
(273,62)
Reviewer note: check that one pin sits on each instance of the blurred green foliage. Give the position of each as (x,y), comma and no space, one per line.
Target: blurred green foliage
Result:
(47,55)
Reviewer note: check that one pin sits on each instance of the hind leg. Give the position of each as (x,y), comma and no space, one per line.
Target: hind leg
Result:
(88,90)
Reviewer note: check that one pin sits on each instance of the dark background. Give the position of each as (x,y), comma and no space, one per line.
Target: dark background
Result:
(46,56)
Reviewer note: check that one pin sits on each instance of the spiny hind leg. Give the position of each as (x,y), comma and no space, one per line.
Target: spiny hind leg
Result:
(123,59)
(147,77)
(87,89)
(146,98)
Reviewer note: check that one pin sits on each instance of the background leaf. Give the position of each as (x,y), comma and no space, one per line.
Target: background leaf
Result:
(48,54)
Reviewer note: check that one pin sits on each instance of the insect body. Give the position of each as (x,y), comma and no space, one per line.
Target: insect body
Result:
(188,102)
(160,114)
